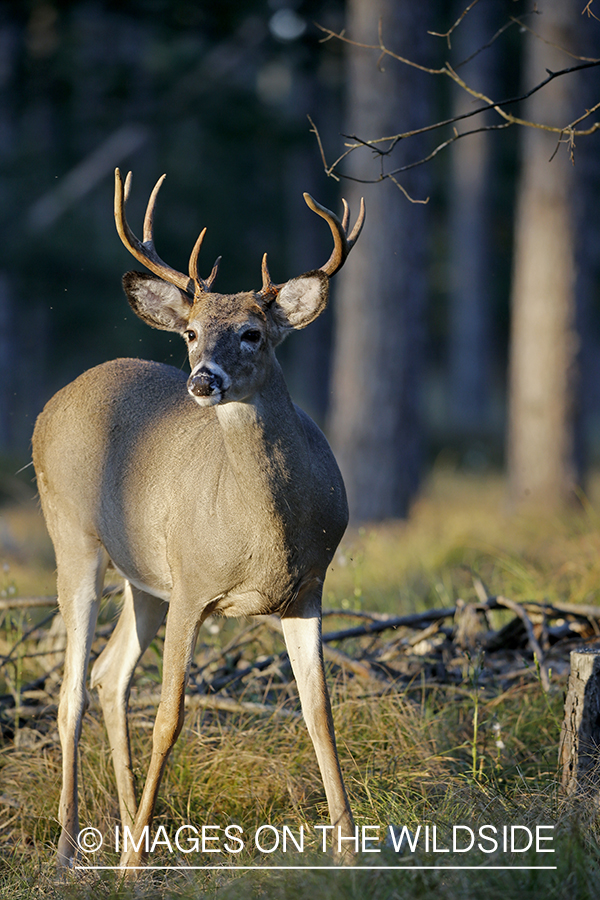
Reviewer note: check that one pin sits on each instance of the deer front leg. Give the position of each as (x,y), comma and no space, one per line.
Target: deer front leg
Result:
(79,601)
(112,673)
(302,632)
(180,639)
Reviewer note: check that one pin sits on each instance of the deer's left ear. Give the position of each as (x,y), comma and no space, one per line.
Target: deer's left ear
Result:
(300,301)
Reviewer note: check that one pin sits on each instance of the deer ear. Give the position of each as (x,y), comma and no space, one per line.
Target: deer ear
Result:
(157,302)
(301,300)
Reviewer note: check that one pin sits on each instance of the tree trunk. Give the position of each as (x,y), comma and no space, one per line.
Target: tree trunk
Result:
(7,363)
(470,310)
(542,368)
(578,755)
(378,339)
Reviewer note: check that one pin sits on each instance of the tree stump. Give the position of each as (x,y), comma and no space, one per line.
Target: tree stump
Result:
(579,747)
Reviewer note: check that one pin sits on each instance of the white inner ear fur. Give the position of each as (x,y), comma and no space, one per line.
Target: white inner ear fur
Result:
(161,302)
(156,295)
(303,298)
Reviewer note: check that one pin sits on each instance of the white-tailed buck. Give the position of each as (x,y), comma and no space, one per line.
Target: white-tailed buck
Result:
(211,493)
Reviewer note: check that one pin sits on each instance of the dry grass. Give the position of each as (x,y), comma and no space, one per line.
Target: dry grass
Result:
(410,755)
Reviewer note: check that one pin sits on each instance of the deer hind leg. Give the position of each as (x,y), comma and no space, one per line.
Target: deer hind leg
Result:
(302,632)
(112,673)
(180,639)
(80,577)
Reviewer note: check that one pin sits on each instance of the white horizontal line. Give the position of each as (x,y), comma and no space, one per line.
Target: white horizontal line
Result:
(324,868)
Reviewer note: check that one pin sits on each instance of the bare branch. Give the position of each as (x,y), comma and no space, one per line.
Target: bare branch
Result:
(332,169)
(328,169)
(381,47)
(515,120)
(566,133)
(456,24)
(588,10)
(519,22)
(489,43)
(404,191)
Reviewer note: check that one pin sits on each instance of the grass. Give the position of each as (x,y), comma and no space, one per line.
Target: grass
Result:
(471,754)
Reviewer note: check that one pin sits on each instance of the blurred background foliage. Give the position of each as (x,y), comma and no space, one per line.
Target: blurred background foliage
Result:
(217,95)
(212,94)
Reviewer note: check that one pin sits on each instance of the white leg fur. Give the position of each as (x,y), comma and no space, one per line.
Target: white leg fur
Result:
(303,640)
(112,673)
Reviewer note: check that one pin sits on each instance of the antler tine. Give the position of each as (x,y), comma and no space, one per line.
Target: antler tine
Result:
(149,217)
(267,285)
(204,284)
(127,185)
(342,244)
(193,263)
(353,236)
(213,274)
(143,252)
(346,216)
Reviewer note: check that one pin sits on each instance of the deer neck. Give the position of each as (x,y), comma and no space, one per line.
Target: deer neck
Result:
(266,444)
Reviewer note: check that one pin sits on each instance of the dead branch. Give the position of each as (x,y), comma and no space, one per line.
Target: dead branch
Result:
(447,34)
(227,704)
(26,602)
(537,650)
(416,620)
(360,668)
(47,600)
(357,614)
(588,10)
(498,106)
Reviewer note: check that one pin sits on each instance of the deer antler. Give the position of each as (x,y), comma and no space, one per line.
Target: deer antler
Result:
(145,252)
(342,241)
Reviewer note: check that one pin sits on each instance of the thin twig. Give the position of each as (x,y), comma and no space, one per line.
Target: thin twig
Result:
(332,170)
(489,43)
(552,43)
(456,24)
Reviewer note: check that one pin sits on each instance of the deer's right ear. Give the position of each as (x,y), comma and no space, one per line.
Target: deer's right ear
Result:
(157,302)
(300,301)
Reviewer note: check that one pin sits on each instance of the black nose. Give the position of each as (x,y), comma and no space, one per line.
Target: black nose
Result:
(203,383)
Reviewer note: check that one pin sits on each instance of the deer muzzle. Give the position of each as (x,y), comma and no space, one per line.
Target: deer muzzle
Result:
(204,383)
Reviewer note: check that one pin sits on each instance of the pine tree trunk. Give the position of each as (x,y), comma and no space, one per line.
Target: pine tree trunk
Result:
(378,339)
(470,310)
(544,343)
(7,363)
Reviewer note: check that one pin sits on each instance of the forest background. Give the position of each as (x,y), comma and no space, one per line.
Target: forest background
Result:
(464,329)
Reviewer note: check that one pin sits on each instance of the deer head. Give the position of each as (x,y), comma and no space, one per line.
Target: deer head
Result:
(230,337)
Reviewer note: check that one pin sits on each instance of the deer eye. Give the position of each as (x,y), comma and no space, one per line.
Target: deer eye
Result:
(252,336)
(190,335)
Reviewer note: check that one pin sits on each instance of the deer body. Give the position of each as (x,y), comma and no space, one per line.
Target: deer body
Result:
(211,493)
(174,491)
